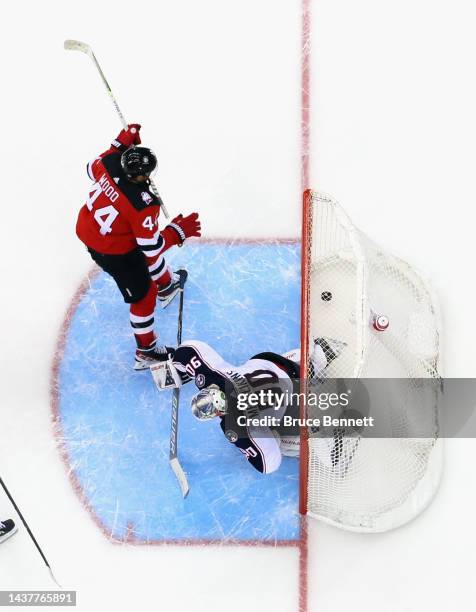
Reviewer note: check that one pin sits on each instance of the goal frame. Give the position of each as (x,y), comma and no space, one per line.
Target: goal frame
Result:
(417,367)
(307,218)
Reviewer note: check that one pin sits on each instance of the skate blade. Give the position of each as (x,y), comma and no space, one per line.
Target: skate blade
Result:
(164,303)
(140,365)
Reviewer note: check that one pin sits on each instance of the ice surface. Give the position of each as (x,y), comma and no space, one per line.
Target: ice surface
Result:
(241,299)
(224,118)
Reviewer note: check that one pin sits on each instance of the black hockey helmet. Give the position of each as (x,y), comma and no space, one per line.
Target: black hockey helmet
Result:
(137,161)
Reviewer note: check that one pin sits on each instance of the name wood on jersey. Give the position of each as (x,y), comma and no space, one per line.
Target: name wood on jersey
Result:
(101,186)
(107,188)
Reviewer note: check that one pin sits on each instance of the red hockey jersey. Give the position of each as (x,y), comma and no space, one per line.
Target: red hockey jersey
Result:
(119,215)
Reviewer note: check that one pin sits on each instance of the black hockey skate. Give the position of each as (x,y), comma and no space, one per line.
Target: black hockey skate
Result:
(167,294)
(148,356)
(7,529)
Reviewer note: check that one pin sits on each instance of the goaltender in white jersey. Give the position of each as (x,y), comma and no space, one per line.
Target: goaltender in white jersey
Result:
(249,400)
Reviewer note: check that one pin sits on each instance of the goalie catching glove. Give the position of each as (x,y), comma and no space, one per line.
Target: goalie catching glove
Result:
(288,445)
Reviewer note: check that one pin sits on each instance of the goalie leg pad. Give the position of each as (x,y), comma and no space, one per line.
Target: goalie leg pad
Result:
(290,446)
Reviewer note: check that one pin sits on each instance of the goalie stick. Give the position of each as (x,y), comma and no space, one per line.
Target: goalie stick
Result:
(174,462)
(77,45)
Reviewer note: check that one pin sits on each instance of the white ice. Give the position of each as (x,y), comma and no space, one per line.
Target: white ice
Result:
(217,88)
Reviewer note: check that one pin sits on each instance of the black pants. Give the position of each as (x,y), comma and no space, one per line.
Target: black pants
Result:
(130,271)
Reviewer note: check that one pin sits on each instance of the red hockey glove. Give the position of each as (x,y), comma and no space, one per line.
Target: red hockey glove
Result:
(186,227)
(129,137)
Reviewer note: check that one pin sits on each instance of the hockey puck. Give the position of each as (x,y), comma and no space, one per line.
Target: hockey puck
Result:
(380,322)
(326,296)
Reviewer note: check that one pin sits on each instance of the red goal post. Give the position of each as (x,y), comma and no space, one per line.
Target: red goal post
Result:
(305,303)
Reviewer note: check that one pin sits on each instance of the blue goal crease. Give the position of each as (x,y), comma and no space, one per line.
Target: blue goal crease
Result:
(240,298)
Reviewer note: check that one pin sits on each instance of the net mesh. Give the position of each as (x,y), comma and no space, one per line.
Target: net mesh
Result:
(376,484)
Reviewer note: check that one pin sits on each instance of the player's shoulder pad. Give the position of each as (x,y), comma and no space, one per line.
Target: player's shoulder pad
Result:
(139,196)
(112,163)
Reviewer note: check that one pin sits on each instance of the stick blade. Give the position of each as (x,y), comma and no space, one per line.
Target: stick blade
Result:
(180,474)
(183,275)
(77,45)
(53,577)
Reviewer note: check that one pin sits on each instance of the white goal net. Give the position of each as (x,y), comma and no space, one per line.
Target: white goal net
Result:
(385,313)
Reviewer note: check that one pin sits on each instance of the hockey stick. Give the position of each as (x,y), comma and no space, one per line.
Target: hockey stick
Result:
(174,462)
(77,45)
(30,533)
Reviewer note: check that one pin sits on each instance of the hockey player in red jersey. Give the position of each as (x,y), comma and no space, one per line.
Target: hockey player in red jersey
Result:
(119,226)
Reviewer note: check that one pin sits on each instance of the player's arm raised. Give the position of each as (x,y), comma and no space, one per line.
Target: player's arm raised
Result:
(124,140)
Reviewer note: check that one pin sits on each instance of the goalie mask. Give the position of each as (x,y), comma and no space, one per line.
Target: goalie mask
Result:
(209,403)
